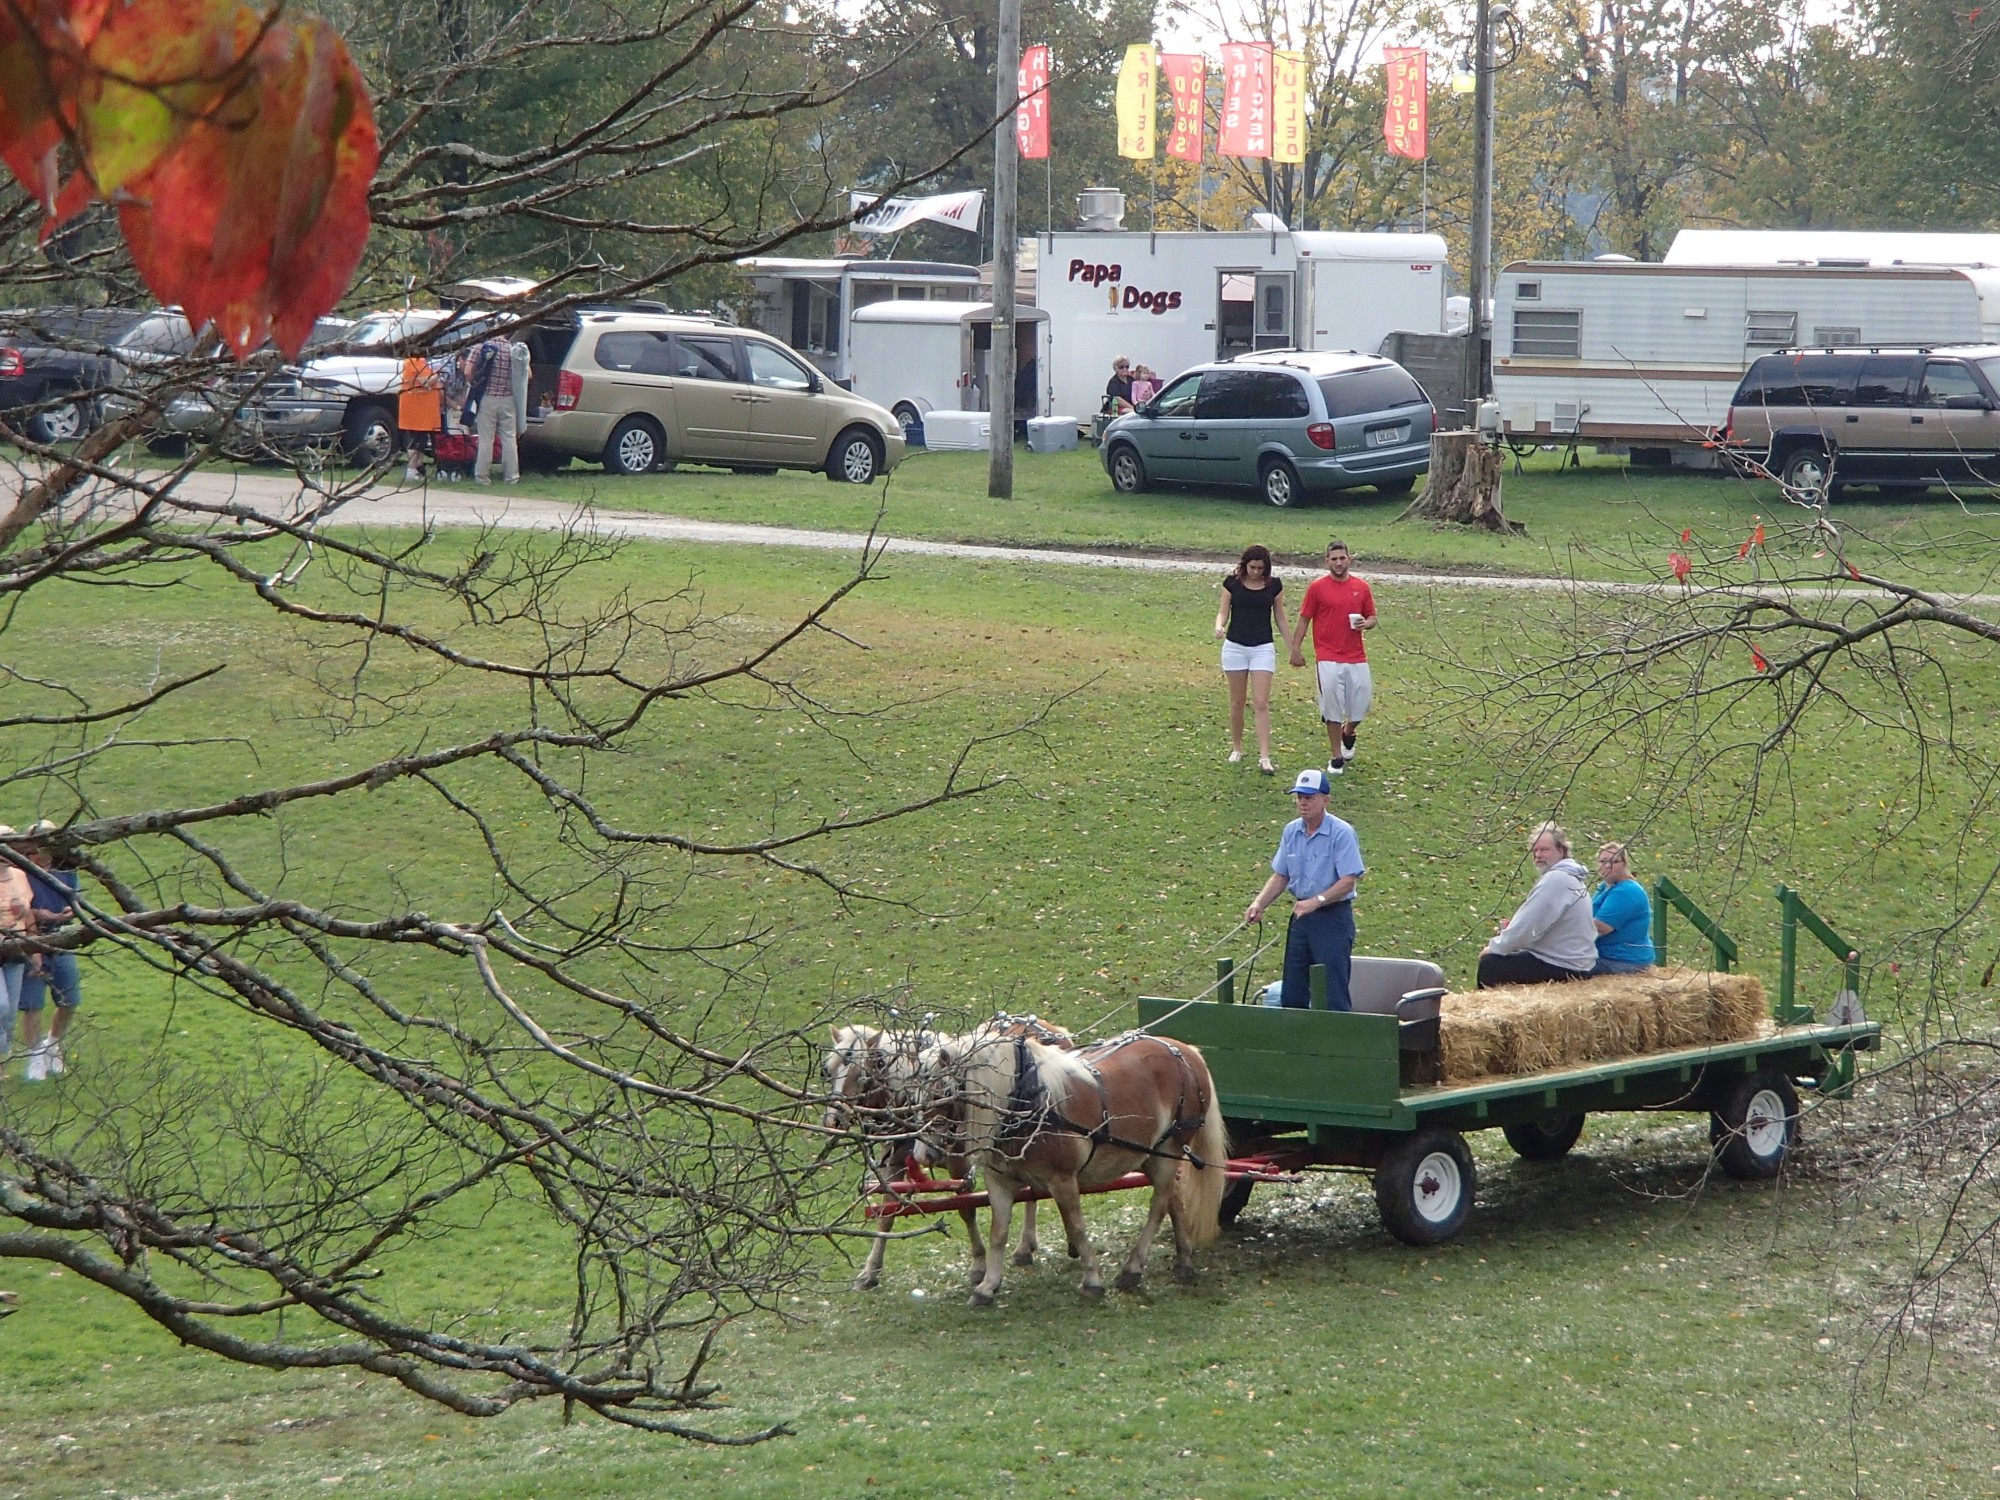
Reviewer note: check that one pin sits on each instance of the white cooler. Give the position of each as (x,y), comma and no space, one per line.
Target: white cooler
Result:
(1052,434)
(961,431)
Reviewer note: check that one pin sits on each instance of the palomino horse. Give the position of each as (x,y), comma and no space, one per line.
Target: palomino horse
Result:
(1034,1116)
(877,1082)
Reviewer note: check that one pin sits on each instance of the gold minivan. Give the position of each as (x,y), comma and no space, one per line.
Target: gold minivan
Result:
(639,392)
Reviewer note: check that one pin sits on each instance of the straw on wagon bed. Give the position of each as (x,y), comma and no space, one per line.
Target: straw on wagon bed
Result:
(1532,1028)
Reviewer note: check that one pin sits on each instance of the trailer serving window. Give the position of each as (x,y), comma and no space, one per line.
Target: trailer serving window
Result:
(1545,333)
(1770,330)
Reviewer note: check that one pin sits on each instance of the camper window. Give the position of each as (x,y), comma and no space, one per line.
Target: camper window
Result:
(1548,334)
(1771,330)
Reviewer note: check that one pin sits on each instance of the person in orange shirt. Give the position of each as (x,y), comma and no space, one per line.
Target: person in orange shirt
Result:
(419,413)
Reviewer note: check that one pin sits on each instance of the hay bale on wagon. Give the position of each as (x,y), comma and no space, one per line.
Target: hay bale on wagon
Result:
(1533,1028)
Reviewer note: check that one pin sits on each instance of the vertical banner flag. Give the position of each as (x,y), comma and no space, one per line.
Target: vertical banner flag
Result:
(1405,121)
(1031,120)
(1288,106)
(1187,88)
(1138,101)
(1246,99)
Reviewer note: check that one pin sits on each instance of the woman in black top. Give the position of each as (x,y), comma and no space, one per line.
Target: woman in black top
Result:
(1244,622)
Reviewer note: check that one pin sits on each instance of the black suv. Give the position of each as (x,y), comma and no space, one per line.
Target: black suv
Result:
(54,362)
(1901,419)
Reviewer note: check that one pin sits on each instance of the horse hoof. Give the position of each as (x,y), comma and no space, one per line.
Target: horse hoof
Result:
(1076,1252)
(979,1299)
(1024,1257)
(866,1283)
(1128,1281)
(1092,1291)
(1186,1275)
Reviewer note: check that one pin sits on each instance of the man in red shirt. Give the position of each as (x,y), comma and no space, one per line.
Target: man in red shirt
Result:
(1339,607)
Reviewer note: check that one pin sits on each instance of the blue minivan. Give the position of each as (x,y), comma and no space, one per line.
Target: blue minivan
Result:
(1289,423)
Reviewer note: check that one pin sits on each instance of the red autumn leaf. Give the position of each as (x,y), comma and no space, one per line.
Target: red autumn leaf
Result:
(1681,566)
(1687,535)
(1757,536)
(256,221)
(1852,571)
(1757,658)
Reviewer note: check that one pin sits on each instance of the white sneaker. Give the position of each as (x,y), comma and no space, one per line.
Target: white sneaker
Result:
(1347,749)
(56,1066)
(1235,756)
(38,1063)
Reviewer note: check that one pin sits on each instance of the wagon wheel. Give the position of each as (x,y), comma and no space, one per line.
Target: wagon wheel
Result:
(1546,1139)
(1235,1198)
(1755,1126)
(1424,1187)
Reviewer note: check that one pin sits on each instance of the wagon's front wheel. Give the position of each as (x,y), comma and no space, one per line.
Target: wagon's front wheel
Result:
(1424,1187)
(1546,1139)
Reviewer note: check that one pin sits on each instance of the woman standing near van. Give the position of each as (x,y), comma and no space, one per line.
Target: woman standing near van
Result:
(1244,621)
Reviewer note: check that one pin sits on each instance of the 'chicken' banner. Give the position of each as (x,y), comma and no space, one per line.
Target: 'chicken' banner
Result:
(1405,122)
(1288,106)
(1187,88)
(1031,120)
(1246,100)
(1138,96)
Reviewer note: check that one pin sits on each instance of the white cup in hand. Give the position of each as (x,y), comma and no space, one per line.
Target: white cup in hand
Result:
(1355,620)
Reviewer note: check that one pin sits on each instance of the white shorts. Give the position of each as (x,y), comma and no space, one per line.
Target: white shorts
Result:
(1237,658)
(1345,691)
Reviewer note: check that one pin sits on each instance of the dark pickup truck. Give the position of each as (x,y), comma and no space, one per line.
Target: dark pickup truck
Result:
(54,365)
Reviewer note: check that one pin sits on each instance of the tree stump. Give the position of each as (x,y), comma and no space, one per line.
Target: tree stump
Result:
(1464,485)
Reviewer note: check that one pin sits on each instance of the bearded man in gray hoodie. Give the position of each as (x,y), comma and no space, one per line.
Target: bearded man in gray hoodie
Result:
(1553,936)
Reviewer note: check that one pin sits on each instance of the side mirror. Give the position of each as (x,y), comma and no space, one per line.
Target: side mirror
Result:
(818,385)
(1967,403)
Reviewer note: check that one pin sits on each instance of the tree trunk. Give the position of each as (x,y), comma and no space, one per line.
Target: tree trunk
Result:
(1464,485)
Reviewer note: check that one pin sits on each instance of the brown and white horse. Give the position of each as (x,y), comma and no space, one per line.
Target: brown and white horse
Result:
(881,1082)
(1030,1115)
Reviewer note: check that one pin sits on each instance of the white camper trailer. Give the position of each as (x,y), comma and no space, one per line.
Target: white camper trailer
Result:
(919,357)
(810,304)
(1625,356)
(1170,300)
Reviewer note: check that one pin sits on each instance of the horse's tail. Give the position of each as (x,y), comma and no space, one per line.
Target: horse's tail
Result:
(1207,1181)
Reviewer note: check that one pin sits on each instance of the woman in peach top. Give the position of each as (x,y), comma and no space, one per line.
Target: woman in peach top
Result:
(17,919)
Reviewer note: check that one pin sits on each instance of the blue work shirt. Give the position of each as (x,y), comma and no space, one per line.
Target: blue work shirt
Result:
(1310,862)
(1626,911)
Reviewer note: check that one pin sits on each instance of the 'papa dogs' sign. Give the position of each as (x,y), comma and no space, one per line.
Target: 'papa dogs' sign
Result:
(1117,293)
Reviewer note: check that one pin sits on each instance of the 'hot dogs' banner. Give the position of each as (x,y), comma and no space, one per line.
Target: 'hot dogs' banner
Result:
(1187,87)
(1031,120)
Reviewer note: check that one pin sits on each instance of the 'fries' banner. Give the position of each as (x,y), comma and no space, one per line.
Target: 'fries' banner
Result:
(1405,122)
(1031,120)
(1246,99)
(1288,106)
(1187,88)
(1138,101)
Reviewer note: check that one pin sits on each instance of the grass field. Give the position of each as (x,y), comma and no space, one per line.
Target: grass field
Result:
(1611,1324)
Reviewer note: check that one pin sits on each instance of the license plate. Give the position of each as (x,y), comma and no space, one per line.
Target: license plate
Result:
(1386,437)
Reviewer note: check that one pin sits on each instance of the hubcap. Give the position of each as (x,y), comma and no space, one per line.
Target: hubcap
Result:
(1809,474)
(1278,487)
(1437,1187)
(1764,1123)
(635,451)
(63,422)
(858,462)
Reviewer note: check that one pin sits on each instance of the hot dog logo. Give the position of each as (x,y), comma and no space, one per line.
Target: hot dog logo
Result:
(1118,295)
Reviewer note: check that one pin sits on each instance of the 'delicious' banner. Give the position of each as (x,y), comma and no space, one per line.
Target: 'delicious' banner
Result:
(1288,106)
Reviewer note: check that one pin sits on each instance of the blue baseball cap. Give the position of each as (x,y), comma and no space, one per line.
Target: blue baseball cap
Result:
(1311,782)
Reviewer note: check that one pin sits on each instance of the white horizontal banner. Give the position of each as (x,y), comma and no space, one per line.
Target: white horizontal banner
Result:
(960,210)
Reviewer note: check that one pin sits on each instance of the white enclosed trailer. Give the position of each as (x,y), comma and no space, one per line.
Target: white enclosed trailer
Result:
(1622,355)
(1171,300)
(919,357)
(811,304)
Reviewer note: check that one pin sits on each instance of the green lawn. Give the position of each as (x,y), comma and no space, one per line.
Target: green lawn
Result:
(1608,1325)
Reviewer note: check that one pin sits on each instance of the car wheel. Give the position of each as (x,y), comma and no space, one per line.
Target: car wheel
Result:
(636,446)
(1280,483)
(1401,486)
(1807,472)
(368,435)
(855,459)
(59,422)
(911,419)
(1128,470)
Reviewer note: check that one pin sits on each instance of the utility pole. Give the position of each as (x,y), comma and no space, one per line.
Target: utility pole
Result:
(1479,343)
(1006,252)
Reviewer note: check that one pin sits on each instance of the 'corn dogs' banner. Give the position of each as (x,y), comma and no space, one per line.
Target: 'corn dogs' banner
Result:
(1031,120)
(1138,101)
(1288,106)
(1405,121)
(1187,88)
(1246,99)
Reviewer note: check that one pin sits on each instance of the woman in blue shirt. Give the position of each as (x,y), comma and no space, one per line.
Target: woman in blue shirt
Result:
(1624,916)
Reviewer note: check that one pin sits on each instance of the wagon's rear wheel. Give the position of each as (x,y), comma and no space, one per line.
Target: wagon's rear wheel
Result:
(1755,1126)
(1546,1139)
(1235,1198)
(1424,1187)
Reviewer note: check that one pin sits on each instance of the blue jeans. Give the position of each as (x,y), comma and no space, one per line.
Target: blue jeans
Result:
(1603,966)
(1322,937)
(10,1002)
(63,977)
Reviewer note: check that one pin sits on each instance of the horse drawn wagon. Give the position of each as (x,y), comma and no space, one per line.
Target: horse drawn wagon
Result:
(1370,1089)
